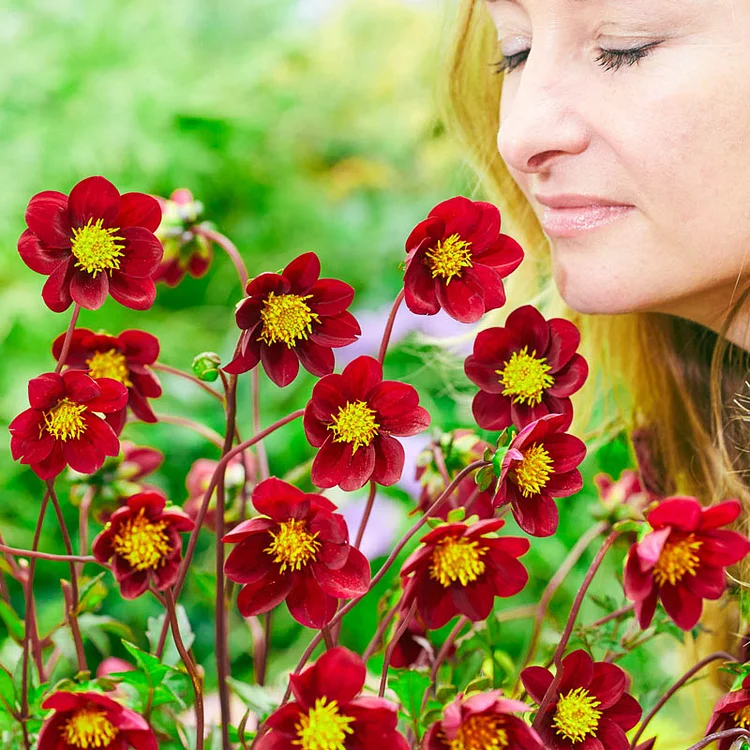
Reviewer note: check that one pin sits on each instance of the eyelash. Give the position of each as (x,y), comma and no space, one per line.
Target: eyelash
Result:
(609,59)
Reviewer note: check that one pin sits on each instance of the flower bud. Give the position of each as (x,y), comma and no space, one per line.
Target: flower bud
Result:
(206,366)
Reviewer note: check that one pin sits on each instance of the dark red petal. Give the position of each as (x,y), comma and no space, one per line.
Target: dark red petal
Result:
(608,684)
(536,515)
(142,254)
(722,547)
(638,584)
(137,294)
(491,411)
(348,581)
(431,228)
(504,255)
(248,562)
(331,463)
(682,513)
(577,671)
(564,339)
(645,608)
(280,363)
(338,675)
(360,469)
(391,398)
(508,576)
(435,604)
(317,360)
(265,594)
(492,285)
(248,528)
(315,431)
(460,215)
(721,514)
(627,712)
(570,378)
(243,362)
(330,297)
(112,397)
(707,583)
(89,291)
(484,375)
(277,499)
(37,256)
(530,327)
(536,680)
(56,290)
(564,485)
(361,375)
(336,331)
(93,198)
(302,272)
(462,298)
(475,600)
(389,460)
(309,605)
(419,288)
(682,605)
(47,218)
(46,390)
(138,210)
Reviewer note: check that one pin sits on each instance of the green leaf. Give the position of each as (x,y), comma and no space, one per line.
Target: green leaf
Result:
(260,700)
(12,621)
(629,526)
(155,624)
(153,668)
(497,460)
(410,688)
(7,691)
(92,594)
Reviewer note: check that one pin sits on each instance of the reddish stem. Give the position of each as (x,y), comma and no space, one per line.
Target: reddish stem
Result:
(46,555)
(389,326)
(187,376)
(201,429)
(68,337)
(366,514)
(260,450)
(725,735)
(400,630)
(229,248)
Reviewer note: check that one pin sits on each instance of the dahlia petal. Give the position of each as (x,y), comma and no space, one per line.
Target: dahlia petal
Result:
(136,294)
(462,298)
(504,255)
(390,398)
(140,407)
(64,701)
(56,290)
(138,210)
(112,396)
(721,514)
(650,547)
(332,554)
(330,297)
(626,712)
(435,604)
(515,546)
(490,282)
(564,485)
(487,228)
(561,407)
(608,684)
(94,198)
(273,741)
(338,675)
(34,450)
(265,594)
(637,583)
(302,272)
(682,605)
(645,609)
(247,528)
(276,499)
(280,363)
(537,515)
(491,411)
(360,469)
(536,680)
(361,375)
(315,431)
(331,463)
(38,256)
(707,583)
(309,605)
(524,414)
(683,513)
(248,562)
(46,390)
(142,254)
(577,671)
(52,465)
(243,362)
(722,547)
(83,455)
(328,395)
(336,331)
(26,427)
(508,576)
(284,719)
(592,743)
(461,216)
(389,460)
(134,585)
(564,339)
(316,359)
(349,581)
(419,287)
(570,378)
(47,218)
(530,327)
(430,228)
(167,574)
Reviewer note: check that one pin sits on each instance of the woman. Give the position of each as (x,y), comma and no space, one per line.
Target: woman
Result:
(616,146)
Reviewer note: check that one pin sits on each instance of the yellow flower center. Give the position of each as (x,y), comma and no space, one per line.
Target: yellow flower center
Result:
(96,249)
(286,318)
(576,716)
(457,559)
(449,257)
(355,423)
(87,728)
(533,473)
(293,545)
(525,377)
(64,421)
(143,543)
(677,559)
(480,733)
(109,364)
(323,728)
(742,718)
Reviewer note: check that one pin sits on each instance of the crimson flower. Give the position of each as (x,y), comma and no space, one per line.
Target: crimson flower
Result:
(459,449)
(352,418)
(483,721)
(525,370)
(292,317)
(539,465)
(91,720)
(591,708)
(460,569)
(733,710)
(328,712)
(92,243)
(627,490)
(299,552)
(124,358)
(186,250)
(143,537)
(457,260)
(412,648)
(683,560)
(61,429)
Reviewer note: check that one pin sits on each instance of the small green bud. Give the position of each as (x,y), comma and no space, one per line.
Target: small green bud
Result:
(457,515)
(206,366)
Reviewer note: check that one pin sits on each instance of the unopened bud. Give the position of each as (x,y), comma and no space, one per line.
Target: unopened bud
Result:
(206,366)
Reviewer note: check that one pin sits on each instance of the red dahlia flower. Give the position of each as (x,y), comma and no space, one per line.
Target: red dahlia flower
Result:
(298,552)
(124,358)
(292,317)
(328,713)
(91,720)
(457,259)
(144,539)
(540,464)
(352,418)
(61,429)
(526,370)
(683,560)
(186,250)
(460,569)
(92,243)
(483,721)
(459,449)
(591,708)
(733,710)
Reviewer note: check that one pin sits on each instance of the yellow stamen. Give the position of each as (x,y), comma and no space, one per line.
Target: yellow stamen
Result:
(449,257)
(96,249)
(677,559)
(109,364)
(457,559)
(143,543)
(742,718)
(525,377)
(323,727)
(533,473)
(64,421)
(480,733)
(286,318)
(355,423)
(88,728)
(576,715)
(293,545)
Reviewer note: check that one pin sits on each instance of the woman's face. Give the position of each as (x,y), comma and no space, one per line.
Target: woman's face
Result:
(662,131)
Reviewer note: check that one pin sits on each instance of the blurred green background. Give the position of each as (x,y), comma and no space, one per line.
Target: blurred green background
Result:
(300,126)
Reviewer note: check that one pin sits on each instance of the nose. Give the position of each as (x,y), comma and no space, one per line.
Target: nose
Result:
(541,116)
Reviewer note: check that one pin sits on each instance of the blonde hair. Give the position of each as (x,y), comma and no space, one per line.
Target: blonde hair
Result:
(672,376)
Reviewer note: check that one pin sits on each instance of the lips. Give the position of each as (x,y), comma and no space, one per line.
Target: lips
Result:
(576,200)
(573,214)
